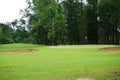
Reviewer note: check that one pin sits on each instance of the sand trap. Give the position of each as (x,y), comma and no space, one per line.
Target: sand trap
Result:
(84,79)
(21,50)
(110,49)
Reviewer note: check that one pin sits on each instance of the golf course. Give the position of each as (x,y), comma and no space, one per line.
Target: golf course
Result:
(60,40)
(62,62)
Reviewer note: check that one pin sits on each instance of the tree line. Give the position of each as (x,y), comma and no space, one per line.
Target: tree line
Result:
(53,22)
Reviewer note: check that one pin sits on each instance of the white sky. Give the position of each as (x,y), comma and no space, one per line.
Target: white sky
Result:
(9,9)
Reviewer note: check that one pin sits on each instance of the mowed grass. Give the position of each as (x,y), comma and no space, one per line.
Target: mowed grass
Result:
(59,63)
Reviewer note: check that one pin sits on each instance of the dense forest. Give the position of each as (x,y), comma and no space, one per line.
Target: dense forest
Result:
(54,22)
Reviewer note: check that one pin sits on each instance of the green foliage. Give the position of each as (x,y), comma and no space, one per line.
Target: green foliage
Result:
(29,39)
(48,19)
(109,20)
(92,25)
(74,21)
(1,33)
(5,34)
(53,22)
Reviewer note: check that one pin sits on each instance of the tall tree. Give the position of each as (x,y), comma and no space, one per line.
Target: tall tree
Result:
(1,34)
(109,20)
(48,19)
(5,34)
(73,20)
(92,15)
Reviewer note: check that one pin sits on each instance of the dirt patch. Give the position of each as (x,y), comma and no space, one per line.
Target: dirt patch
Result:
(84,79)
(110,49)
(21,50)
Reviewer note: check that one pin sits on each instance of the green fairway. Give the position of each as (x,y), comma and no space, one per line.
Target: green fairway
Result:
(59,62)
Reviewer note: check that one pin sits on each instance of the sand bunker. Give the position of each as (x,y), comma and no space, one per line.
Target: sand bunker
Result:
(110,49)
(21,50)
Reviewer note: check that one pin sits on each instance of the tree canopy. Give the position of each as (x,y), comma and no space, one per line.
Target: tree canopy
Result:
(53,22)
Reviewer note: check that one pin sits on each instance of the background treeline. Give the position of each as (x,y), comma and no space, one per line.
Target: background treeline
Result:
(53,22)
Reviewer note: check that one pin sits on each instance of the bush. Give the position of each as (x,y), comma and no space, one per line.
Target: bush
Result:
(5,40)
(28,40)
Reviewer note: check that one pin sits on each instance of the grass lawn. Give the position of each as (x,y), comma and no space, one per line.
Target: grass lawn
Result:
(59,63)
